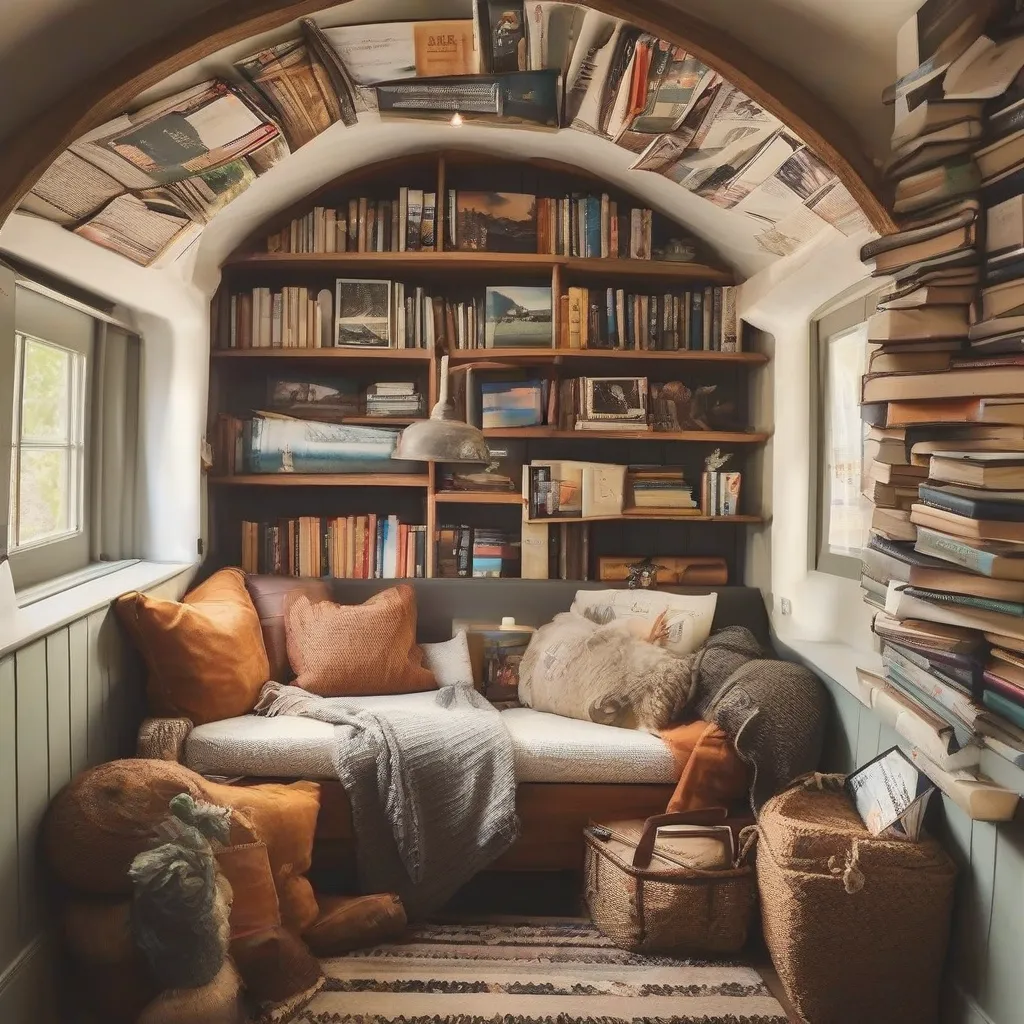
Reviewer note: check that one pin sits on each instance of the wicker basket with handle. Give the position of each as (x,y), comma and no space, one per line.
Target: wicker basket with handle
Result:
(686,894)
(856,924)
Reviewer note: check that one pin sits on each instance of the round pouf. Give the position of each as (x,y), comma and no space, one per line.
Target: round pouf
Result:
(99,822)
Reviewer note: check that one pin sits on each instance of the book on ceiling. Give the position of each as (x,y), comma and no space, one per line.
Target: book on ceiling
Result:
(994,470)
(551,33)
(929,322)
(994,530)
(145,231)
(501,28)
(184,134)
(940,498)
(987,382)
(70,190)
(954,179)
(999,561)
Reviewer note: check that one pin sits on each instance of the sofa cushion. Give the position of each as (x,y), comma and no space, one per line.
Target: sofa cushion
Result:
(269,595)
(205,655)
(343,650)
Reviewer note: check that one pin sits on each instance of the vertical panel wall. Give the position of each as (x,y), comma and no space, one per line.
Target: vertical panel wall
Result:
(985,966)
(67,701)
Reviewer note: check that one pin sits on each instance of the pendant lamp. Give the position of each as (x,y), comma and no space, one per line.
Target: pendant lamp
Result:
(442,438)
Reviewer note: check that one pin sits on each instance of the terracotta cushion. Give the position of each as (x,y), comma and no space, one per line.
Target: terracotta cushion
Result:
(283,817)
(269,595)
(712,773)
(340,650)
(205,654)
(352,922)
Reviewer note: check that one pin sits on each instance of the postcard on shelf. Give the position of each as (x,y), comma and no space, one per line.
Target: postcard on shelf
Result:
(512,403)
(615,398)
(363,310)
(519,316)
(891,795)
(493,221)
(393,51)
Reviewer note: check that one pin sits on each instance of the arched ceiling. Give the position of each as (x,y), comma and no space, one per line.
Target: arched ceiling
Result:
(341,148)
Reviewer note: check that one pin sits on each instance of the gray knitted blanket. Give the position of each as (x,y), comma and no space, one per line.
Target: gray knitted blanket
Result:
(432,789)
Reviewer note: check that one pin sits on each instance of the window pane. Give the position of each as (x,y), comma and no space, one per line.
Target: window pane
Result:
(46,399)
(849,513)
(44,495)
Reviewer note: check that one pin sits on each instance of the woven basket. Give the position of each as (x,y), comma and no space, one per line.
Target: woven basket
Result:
(688,910)
(856,924)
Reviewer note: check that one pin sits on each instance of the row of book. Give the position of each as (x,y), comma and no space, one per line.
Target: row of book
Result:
(477,552)
(944,397)
(697,320)
(405,224)
(346,547)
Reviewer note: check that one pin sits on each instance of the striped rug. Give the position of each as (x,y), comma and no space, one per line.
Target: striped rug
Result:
(503,970)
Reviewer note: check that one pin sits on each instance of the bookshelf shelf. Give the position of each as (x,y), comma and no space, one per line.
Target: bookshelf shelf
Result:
(396,355)
(656,515)
(479,497)
(321,480)
(485,262)
(571,355)
(692,436)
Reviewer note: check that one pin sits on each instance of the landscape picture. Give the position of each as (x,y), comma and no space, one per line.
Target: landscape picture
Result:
(364,313)
(496,222)
(519,316)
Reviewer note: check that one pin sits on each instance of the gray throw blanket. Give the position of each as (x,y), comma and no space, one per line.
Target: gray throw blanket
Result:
(432,788)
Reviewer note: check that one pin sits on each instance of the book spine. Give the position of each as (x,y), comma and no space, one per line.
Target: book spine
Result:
(696,340)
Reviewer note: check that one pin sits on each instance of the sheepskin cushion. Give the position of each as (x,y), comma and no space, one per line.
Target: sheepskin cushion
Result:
(603,673)
(683,621)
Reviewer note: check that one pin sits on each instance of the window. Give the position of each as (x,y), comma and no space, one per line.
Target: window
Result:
(844,510)
(48,456)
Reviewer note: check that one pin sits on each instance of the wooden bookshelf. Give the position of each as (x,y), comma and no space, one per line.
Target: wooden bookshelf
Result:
(419,497)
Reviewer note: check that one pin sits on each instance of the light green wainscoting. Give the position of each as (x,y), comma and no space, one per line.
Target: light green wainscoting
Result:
(68,700)
(985,966)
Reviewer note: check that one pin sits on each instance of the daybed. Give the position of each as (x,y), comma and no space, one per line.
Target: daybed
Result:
(567,771)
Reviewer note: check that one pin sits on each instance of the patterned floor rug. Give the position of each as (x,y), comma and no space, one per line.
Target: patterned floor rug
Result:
(501,970)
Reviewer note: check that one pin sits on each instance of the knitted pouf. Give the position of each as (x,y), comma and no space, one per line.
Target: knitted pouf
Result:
(99,822)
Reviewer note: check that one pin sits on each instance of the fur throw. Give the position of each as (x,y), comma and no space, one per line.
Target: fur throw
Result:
(576,668)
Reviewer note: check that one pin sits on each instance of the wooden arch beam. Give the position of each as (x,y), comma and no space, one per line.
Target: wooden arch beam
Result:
(36,144)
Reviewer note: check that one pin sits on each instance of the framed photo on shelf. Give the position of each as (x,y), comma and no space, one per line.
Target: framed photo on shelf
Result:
(363,310)
(615,398)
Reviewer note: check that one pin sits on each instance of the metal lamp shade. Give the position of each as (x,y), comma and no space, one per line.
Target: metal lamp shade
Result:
(442,438)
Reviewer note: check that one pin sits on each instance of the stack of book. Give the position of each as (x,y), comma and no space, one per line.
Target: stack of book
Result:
(592,227)
(349,547)
(399,399)
(944,396)
(661,487)
(477,552)
(289,317)
(720,493)
(405,224)
(702,319)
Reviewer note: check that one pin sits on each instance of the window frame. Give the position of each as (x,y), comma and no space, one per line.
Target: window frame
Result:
(824,331)
(36,563)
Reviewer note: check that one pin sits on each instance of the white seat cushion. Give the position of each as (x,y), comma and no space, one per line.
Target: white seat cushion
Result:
(548,748)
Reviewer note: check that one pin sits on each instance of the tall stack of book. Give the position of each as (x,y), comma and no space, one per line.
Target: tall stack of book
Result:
(661,487)
(394,398)
(349,547)
(944,396)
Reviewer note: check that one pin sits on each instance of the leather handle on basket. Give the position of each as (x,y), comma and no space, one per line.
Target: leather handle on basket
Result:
(645,847)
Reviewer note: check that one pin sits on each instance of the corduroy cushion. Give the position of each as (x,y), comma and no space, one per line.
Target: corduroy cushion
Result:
(342,650)
(205,654)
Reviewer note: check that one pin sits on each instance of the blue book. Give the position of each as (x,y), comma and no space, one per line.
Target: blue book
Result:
(613,334)
(382,529)
(1004,707)
(593,226)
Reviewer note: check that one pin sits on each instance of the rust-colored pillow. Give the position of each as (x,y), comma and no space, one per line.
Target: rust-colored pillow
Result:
(283,817)
(712,772)
(357,650)
(205,654)
(270,595)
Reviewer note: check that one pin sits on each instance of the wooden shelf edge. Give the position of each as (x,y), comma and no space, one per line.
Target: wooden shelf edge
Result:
(321,480)
(397,354)
(643,355)
(694,436)
(666,516)
(479,497)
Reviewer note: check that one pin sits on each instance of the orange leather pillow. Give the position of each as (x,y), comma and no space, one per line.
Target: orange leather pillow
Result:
(357,650)
(205,654)
(283,817)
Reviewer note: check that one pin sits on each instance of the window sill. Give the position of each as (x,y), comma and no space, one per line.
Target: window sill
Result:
(51,588)
(43,616)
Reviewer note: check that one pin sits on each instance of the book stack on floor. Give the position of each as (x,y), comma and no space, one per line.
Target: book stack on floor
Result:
(350,547)
(477,552)
(944,396)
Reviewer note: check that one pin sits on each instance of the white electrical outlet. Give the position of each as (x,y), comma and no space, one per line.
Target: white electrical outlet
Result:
(786,606)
